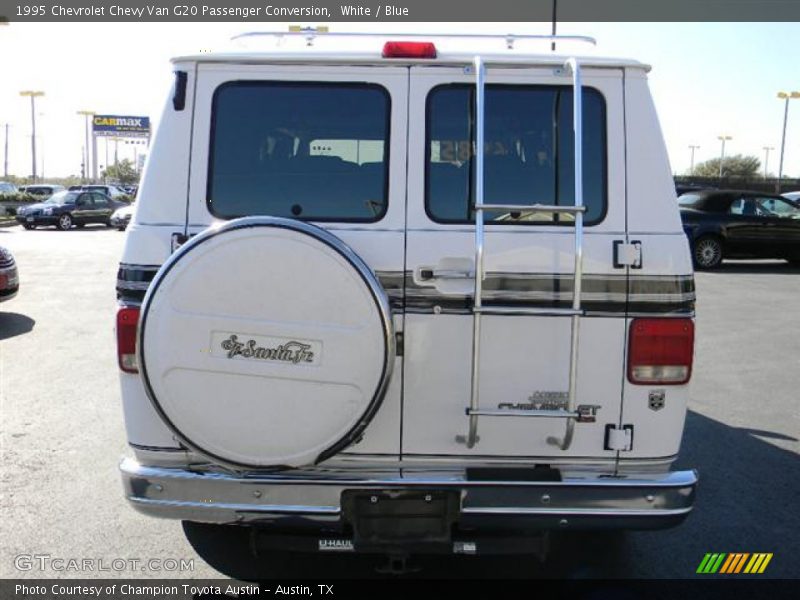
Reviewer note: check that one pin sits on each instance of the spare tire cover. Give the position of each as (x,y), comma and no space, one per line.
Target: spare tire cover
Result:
(266,342)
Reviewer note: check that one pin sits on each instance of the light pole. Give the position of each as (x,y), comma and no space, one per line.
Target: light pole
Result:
(766,158)
(691,167)
(5,156)
(722,138)
(86,114)
(784,96)
(33,95)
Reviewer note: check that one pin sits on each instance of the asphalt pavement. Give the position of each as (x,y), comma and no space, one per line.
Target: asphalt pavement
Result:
(62,434)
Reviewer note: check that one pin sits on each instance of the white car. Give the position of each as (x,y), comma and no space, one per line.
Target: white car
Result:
(793,196)
(337,319)
(122,217)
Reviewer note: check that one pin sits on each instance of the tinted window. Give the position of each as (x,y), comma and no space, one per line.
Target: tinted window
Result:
(689,200)
(310,151)
(62,198)
(774,207)
(528,152)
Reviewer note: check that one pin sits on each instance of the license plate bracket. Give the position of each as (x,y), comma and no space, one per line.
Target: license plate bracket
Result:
(400,517)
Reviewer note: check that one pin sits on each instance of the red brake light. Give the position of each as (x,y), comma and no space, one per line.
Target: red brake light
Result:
(127,329)
(409,50)
(660,351)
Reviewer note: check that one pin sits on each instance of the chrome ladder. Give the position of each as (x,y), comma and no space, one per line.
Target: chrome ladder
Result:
(570,413)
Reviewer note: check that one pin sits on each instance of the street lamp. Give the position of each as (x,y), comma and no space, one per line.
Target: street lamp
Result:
(33,95)
(784,96)
(86,114)
(691,167)
(766,158)
(722,138)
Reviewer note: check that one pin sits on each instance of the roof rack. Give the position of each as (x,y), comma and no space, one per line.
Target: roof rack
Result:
(311,33)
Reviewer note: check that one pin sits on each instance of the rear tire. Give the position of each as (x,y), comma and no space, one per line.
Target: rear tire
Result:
(29,226)
(65,222)
(707,252)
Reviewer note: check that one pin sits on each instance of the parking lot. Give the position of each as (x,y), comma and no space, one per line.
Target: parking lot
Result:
(62,432)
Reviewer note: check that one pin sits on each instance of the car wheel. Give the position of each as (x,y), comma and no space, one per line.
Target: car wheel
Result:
(29,226)
(707,253)
(65,222)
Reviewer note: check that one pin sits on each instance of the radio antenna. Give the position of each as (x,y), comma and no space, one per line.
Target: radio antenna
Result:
(555,10)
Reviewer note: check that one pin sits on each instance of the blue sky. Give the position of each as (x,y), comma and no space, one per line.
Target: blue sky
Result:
(707,79)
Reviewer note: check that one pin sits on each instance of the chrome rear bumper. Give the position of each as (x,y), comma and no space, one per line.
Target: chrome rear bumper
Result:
(313,497)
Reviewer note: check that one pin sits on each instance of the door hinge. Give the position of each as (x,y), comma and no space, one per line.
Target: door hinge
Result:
(627,255)
(619,439)
(178,240)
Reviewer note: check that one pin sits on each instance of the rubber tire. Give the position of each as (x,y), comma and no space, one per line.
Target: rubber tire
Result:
(62,220)
(713,244)
(29,226)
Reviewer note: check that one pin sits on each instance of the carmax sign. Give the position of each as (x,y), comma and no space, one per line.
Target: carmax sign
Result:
(121,126)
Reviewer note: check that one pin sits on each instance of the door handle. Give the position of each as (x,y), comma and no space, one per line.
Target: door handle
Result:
(428,274)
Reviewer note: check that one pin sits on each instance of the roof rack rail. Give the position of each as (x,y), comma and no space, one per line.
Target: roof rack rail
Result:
(311,33)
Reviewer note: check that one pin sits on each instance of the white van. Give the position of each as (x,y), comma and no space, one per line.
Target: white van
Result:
(338,320)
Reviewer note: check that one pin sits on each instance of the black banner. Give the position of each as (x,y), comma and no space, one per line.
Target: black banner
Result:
(398,10)
(389,587)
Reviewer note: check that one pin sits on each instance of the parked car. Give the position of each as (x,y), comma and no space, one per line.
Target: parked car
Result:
(793,196)
(7,188)
(121,217)
(65,209)
(112,191)
(44,189)
(312,352)
(740,224)
(9,277)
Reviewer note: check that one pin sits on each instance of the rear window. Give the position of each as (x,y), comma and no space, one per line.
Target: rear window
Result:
(528,152)
(310,151)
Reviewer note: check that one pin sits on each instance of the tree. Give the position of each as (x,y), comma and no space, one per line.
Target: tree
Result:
(732,166)
(123,172)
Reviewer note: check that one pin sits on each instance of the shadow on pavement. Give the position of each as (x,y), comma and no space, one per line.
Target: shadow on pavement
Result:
(772,267)
(14,324)
(746,502)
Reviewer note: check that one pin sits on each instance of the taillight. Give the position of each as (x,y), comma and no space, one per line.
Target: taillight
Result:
(660,351)
(409,50)
(127,328)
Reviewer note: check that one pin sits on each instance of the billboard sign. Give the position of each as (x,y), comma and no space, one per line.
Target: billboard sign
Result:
(119,126)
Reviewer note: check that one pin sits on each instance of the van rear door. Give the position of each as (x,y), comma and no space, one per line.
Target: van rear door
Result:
(324,144)
(528,260)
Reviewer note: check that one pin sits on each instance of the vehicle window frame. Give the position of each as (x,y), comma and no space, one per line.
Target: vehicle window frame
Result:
(387,141)
(777,215)
(555,222)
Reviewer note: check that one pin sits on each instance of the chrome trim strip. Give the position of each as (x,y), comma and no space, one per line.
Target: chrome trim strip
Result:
(609,294)
(579,512)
